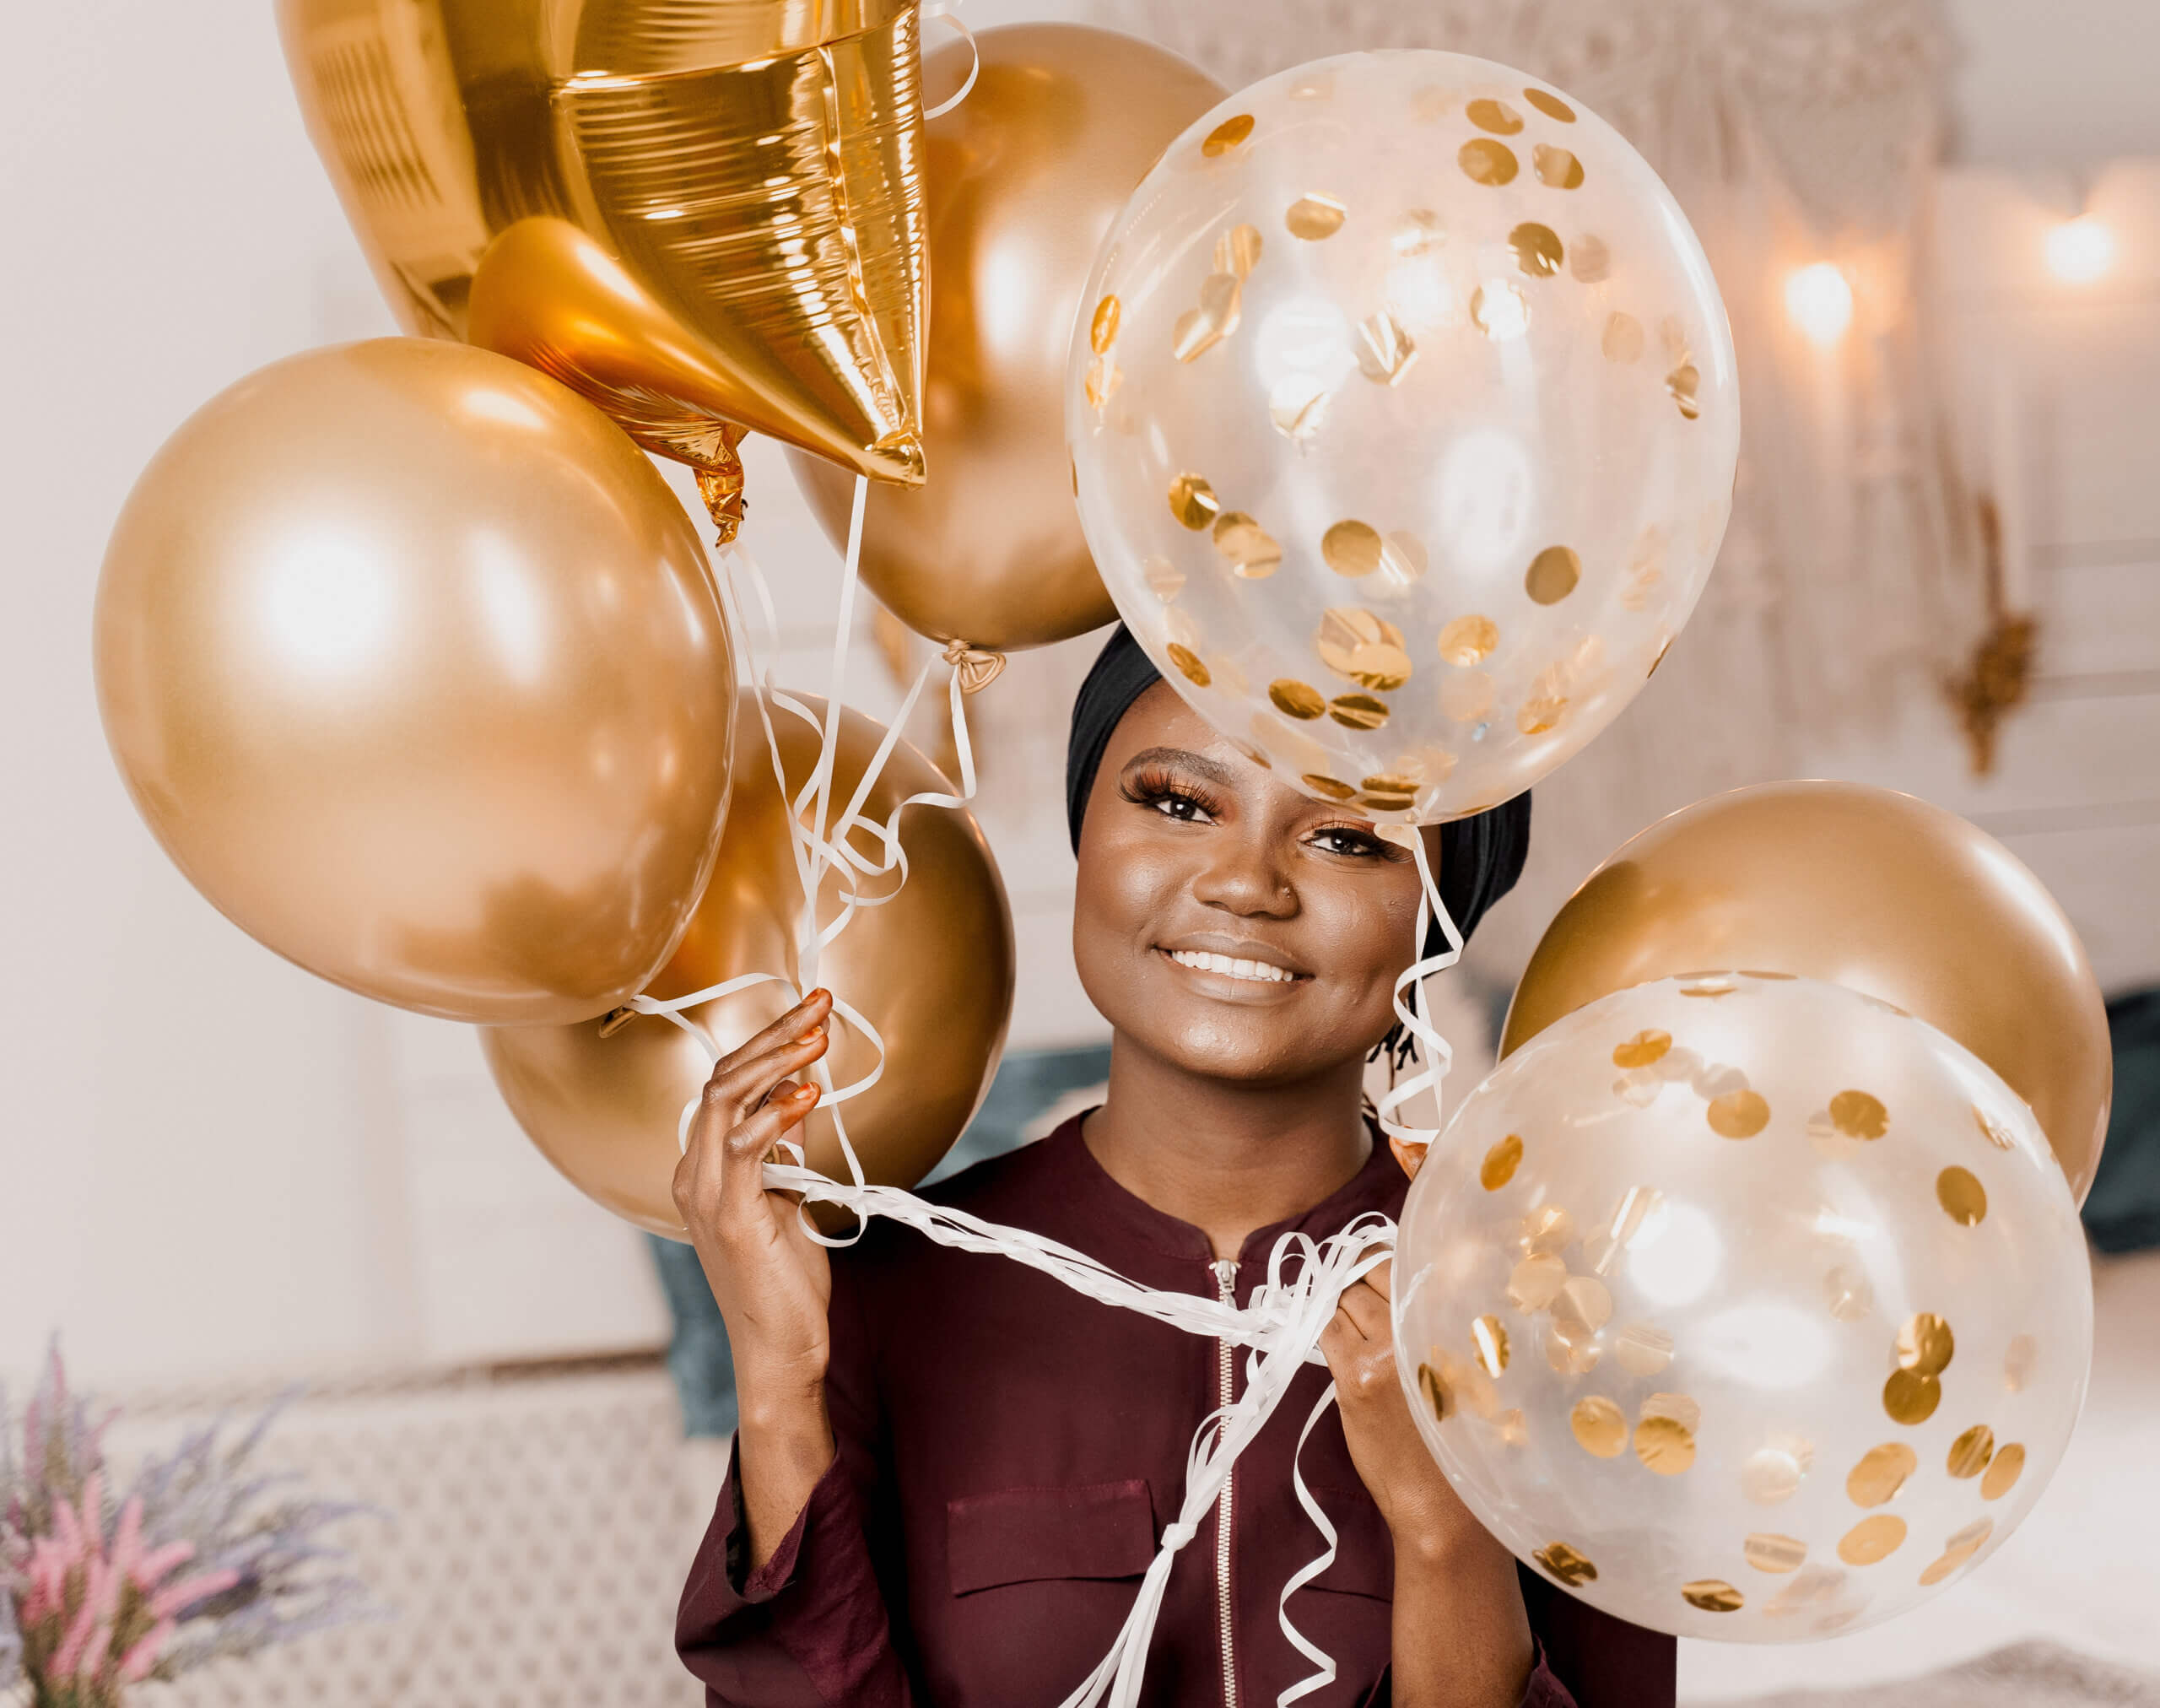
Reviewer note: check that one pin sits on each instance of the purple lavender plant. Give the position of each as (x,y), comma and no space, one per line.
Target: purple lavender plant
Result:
(202,1557)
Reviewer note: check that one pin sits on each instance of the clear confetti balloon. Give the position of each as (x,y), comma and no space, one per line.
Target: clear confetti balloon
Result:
(1744,1307)
(1403,420)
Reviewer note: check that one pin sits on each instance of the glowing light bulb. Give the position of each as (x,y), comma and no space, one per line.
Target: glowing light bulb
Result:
(2080,249)
(1819,298)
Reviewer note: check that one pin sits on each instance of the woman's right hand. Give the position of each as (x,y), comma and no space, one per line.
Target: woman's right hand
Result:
(770,1279)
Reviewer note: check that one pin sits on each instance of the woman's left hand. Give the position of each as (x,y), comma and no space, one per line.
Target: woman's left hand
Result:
(1399,1473)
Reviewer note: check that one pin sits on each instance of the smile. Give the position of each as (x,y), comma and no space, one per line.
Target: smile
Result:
(1229,966)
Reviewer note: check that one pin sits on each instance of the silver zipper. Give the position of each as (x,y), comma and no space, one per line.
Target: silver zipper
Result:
(1226,1289)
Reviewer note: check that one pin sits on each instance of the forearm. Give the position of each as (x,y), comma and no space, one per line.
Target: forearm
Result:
(1461,1639)
(785,1444)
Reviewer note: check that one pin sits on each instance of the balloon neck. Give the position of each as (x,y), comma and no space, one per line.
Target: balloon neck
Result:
(615,1020)
(977,666)
(720,485)
(897,457)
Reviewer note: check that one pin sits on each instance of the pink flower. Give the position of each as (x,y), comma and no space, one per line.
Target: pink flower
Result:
(136,1663)
(188,1590)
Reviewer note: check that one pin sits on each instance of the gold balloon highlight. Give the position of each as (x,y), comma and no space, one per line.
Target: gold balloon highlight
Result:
(932,970)
(1023,179)
(414,667)
(1856,886)
(702,218)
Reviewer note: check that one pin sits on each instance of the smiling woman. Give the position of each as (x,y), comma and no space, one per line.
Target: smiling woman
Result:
(947,1493)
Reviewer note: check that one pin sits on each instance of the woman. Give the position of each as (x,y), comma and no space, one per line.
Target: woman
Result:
(951,1472)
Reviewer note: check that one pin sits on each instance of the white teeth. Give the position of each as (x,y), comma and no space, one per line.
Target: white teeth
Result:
(1265,972)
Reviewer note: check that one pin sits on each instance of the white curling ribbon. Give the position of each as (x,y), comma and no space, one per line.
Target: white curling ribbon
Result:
(949,11)
(1432,1048)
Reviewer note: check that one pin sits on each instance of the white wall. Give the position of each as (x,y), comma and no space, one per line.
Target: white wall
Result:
(210,1162)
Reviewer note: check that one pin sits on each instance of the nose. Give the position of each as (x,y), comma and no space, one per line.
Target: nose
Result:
(1248,878)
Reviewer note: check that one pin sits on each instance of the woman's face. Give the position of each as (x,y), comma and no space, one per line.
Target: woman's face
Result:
(1222,921)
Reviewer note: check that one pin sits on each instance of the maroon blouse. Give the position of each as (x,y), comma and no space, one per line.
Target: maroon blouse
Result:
(1009,1454)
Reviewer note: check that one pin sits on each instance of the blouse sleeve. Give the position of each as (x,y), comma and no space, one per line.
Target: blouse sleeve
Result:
(1591,1659)
(808,1628)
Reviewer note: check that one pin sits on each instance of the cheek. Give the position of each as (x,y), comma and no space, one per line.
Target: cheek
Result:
(1124,889)
(1372,932)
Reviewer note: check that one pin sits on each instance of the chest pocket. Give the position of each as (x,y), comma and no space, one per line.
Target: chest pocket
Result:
(1089,1530)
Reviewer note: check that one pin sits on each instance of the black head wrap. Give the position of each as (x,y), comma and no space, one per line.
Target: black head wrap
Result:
(1481,857)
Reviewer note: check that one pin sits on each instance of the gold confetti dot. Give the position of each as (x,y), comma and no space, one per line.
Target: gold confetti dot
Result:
(1490,1339)
(1249,549)
(1665,1445)
(1681,384)
(1962,1196)
(1872,1540)
(1564,1563)
(1599,1427)
(1367,648)
(1514,1432)
(1333,788)
(1495,116)
(1315,217)
(2017,1361)
(1165,579)
(1958,1549)
(1970,1452)
(1536,1280)
(1192,501)
(1358,711)
(1848,1292)
(1227,136)
(1881,1473)
(1350,549)
(1104,376)
(1858,1115)
(1499,1166)
(1385,792)
(1713,1594)
(1910,1398)
(1437,1393)
(1581,1308)
(1295,699)
(1550,105)
(1926,1345)
(1707,984)
(1642,1050)
(1623,338)
(2003,1473)
(1469,640)
(1588,258)
(1541,713)
(1499,310)
(1536,248)
(1992,1130)
(1237,251)
(1402,556)
(1189,665)
(1198,330)
(1768,1551)
(1680,1408)
(1484,161)
(1547,1228)
(1556,167)
(1773,1472)
(1102,331)
(1384,350)
(1553,574)
(1642,1349)
(1298,407)
(1468,697)
(1738,1114)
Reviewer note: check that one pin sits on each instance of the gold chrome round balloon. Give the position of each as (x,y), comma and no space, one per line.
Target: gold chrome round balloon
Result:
(415,667)
(932,970)
(702,217)
(1861,887)
(1022,179)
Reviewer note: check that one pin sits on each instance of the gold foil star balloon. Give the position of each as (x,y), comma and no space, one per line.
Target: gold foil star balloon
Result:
(1403,420)
(704,215)
(1744,1306)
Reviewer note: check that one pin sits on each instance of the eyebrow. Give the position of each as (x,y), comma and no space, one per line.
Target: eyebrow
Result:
(1214,769)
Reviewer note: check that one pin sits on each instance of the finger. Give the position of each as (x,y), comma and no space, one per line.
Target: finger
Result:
(1382,1277)
(743,1173)
(799,1021)
(732,1092)
(1367,1310)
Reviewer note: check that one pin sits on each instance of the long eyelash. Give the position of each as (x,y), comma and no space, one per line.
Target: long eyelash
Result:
(1148,788)
(1357,832)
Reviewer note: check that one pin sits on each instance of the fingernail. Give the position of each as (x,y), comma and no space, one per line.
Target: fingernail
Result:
(820,992)
(812,1035)
(804,1093)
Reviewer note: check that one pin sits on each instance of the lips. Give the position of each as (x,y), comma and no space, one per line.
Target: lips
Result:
(1231,966)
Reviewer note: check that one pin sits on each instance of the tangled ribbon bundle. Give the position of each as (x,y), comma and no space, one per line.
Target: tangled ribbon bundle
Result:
(1306,1277)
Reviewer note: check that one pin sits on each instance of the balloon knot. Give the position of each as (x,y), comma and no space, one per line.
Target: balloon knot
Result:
(1411,1156)
(615,1020)
(720,485)
(1175,1535)
(978,666)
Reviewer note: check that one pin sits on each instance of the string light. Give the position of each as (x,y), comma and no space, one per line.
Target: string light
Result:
(1819,301)
(2080,249)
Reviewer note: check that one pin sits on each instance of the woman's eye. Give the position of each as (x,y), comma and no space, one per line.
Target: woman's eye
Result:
(1185,811)
(1345,842)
